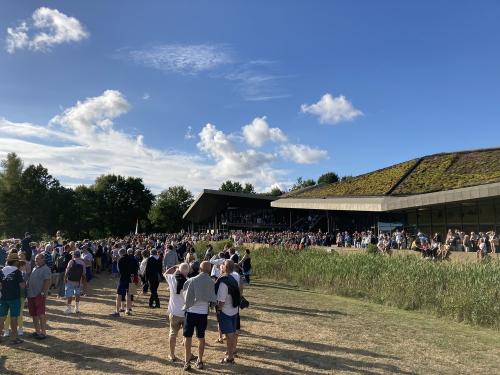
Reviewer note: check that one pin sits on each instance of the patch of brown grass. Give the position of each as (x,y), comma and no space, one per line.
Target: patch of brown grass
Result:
(287,330)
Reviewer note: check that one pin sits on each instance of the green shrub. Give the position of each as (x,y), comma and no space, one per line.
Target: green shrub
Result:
(468,292)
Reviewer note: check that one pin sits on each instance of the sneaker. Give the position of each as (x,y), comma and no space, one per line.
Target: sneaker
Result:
(129,312)
(115,314)
(77,310)
(6,333)
(68,310)
(20,332)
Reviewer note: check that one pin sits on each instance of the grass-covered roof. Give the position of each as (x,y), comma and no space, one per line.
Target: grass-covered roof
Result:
(428,174)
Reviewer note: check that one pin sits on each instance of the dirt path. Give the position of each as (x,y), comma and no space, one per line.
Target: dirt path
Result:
(286,331)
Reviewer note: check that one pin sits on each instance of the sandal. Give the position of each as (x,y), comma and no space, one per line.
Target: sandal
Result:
(17,341)
(200,365)
(219,341)
(227,360)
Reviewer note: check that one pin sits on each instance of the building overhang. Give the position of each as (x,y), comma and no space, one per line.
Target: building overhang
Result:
(390,203)
(210,202)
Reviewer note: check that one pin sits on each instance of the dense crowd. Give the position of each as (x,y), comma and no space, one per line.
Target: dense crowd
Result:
(33,270)
(30,270)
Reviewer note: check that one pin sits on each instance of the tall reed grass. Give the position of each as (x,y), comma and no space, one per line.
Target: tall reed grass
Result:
(467,292)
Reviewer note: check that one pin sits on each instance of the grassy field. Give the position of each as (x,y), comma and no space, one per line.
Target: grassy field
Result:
(287,330)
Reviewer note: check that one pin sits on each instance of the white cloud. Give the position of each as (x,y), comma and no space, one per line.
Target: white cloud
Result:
(258,132)
(48,27)
(189,134)
(82,142)
(302,154)
(332,110)
(181,58)
(233,163)
(145,96)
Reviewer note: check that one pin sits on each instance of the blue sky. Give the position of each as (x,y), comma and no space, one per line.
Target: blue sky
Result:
(196,92)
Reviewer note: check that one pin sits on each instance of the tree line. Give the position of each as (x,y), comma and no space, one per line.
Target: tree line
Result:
(31,200)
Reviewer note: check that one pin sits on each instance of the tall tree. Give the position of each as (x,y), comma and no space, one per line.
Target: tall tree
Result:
(10,196)
(301,183)
(328,178)
(121,202)
(249,188)
(231,186)
(168,208)
(276,191)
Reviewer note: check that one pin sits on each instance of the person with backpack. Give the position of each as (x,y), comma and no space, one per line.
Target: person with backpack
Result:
(61,264)
(74,277)
(228,301)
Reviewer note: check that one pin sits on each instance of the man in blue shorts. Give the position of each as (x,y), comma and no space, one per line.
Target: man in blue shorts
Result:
(74,276)
(12,282)
(199,292)
(228,301)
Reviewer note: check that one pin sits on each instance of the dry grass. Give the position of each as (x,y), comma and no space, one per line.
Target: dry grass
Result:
(286,331)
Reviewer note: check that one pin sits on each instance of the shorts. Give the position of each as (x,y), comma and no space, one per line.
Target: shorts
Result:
(227,323)
(192,321)
(176,323)
(132,289)
(72,291)
(13,305)
(36,305)
(122,287)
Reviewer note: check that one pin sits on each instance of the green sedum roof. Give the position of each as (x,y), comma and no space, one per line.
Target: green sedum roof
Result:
(428,174)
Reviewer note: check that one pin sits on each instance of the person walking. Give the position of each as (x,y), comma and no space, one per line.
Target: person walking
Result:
(152,274)
(38,287)
(74,279)
(199,293)
(125,269)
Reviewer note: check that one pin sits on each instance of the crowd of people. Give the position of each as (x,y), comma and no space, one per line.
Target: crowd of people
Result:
(197,284)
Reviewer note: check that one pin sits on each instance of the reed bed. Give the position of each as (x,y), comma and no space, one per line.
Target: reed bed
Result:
(467,292)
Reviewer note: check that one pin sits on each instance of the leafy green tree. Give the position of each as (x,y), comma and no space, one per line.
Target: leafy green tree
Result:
(276,191)
(230,186)
(249,188)
(121,202)
(328,178)
(11,218)
(301,183)
(169,206)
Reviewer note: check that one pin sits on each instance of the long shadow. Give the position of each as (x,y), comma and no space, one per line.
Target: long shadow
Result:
(320,361)
(59,317)
(316,346)
(3,370)
(93,357)
(273,285)
(296,310)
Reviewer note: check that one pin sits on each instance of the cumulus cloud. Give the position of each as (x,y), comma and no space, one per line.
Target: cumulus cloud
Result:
(47,28)
(332,110)
(82,142)
(232,162)
(302,154)
(182,58)
(258,132)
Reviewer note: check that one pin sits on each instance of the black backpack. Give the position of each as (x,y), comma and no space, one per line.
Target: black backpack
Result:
(75,272)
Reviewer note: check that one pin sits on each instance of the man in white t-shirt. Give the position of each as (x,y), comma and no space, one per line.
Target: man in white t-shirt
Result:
(228,296)
(176,276)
